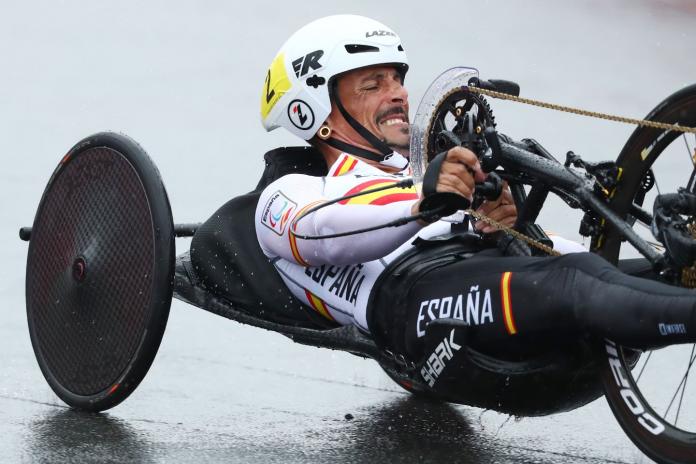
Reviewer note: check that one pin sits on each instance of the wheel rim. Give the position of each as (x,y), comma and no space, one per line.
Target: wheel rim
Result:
(662,383)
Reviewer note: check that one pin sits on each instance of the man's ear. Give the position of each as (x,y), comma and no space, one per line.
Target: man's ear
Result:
(324,132)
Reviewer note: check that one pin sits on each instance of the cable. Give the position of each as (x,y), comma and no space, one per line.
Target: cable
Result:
(406,183)
(396,223)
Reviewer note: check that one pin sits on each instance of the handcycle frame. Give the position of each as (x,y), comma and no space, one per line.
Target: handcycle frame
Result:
(548,175)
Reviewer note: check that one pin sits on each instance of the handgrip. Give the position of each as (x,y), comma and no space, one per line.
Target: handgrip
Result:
(491,188)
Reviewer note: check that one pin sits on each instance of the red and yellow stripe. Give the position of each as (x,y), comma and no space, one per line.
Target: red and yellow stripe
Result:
(345,166)
(318,305)
(507,303)
(383,197)
(291,237)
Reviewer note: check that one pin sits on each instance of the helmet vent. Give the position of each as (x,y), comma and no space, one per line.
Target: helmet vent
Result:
(400,48)
(357,48)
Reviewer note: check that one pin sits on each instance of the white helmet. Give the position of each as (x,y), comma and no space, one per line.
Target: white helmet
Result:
(296,94)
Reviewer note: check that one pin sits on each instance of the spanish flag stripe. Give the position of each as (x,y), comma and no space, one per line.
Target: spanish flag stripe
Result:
(382,197)
(318,305)
(346,166)
(370,184)
(293,241)
(296,252)
(507,303)
(369,197)
(340,166)
(394,197)
(352,165)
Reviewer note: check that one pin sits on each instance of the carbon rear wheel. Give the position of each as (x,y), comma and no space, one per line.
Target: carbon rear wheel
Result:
(99,272)
(653,399)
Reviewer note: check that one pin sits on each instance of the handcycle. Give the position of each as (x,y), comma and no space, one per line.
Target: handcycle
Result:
(102,269)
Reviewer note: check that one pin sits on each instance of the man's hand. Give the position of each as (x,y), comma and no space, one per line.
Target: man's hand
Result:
(502,209)
(458,174)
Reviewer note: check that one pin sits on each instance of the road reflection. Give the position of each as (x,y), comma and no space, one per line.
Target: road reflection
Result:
(72,436)
(410,429)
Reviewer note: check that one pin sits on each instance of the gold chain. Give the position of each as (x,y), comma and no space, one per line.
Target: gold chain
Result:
(528,240)
(592,114)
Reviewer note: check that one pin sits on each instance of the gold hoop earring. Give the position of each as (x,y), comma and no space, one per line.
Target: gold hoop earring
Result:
(324,132)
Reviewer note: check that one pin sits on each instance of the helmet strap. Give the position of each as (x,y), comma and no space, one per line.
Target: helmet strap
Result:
(388,156)
(352,149)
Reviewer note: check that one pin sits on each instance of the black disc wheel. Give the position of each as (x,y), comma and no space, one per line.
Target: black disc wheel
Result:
(99,272)
(654,399)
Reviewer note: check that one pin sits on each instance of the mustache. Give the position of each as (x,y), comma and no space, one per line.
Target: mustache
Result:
(396,110)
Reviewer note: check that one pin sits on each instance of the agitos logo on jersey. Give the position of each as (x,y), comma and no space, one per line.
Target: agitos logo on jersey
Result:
(277,212)
(383,197)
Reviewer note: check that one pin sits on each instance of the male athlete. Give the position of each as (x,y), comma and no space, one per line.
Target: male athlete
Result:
(339,84)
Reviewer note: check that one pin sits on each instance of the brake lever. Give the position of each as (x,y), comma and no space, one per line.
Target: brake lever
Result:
(491,188)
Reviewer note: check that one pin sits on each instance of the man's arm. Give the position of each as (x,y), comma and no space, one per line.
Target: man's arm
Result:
(289,197)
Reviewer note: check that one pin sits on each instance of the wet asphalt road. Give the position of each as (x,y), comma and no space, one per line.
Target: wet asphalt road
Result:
(222,392)
(183,80)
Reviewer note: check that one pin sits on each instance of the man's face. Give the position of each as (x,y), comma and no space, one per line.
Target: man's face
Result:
(377,99)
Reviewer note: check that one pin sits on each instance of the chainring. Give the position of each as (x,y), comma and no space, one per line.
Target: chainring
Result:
(451,114)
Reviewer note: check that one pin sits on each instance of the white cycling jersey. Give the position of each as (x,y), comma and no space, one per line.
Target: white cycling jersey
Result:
(335,276)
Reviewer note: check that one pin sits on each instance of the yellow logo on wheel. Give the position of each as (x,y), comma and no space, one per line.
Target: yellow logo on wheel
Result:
(275,85)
